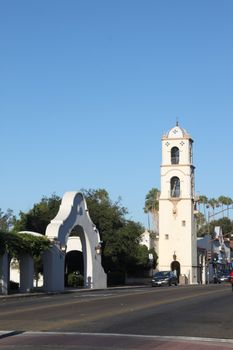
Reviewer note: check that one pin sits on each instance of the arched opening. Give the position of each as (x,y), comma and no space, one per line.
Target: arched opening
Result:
(175,267)
(175,155)
(74,266)
(175,187)
(74,261)
(14,275)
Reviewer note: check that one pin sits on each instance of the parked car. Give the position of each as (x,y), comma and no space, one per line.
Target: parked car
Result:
(222,277)
(162,278)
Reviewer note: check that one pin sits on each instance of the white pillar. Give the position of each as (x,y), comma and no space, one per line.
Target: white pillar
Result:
(26,265)
(53,267)
(4,273)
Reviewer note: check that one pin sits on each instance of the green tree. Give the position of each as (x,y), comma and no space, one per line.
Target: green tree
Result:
(213,203)
(123,251)
(108,216)
(228,202)
(121,237)
(200,222)
(38,218)
(225,223)
(222,201)
(7,220)
(152,206)
(203,201)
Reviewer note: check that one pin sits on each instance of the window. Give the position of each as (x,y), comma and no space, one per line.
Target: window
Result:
(175,155)
(175,187)
(166,236)
(183,222)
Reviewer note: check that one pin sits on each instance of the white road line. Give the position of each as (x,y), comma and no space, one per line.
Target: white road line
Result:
(155,337)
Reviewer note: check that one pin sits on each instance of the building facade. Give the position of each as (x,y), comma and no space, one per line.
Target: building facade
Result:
(177,233)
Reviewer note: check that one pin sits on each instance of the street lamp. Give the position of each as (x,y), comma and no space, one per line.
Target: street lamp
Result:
(98,248)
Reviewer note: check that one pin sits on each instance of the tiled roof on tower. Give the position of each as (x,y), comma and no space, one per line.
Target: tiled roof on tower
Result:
(176,132)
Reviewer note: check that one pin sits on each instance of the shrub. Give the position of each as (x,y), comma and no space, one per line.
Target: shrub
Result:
(75,280)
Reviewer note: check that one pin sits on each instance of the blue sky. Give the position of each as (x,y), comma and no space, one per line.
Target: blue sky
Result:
(87,89)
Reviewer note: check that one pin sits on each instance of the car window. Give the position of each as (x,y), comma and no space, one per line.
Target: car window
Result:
(162,274)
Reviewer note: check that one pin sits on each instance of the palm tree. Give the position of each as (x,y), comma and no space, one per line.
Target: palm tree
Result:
(223,201)
(152,205)
(213,203)
(229,202)
(203,200)
(201,223)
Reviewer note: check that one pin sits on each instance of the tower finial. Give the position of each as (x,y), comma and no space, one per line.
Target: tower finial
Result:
(177,122)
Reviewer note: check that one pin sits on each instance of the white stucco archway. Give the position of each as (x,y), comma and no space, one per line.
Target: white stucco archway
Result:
(73,212)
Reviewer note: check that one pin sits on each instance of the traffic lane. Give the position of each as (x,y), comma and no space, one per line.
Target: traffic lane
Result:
(13,301)
(209,315)
(8,303)
(20,301)
(145,313)
(84,309)
(42,341)
(76,306)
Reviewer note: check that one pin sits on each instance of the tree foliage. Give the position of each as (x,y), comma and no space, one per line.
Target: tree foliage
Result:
(152,201)
(38,218)
(121,237)
(16,244)
(7,220)
(214,212)
(152,206)
(225,223)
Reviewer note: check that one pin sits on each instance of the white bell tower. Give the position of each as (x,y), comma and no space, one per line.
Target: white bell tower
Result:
(177,234)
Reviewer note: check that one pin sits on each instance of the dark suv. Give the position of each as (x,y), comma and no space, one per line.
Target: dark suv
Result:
(162,278)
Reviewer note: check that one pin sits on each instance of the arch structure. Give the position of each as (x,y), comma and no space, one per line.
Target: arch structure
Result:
(73,212)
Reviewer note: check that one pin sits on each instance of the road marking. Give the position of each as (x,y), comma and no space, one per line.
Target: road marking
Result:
(93,295)
(9,334)
(139,336)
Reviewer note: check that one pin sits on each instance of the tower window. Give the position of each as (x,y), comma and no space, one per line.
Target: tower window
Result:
(175,155)
(175,186)
(166,236)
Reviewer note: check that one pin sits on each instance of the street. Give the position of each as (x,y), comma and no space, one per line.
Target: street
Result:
(203,311)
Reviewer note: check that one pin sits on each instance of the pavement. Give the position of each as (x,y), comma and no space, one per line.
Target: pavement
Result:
(84,341)
(21,340)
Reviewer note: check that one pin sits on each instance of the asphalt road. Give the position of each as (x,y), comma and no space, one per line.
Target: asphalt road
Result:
(135,318)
